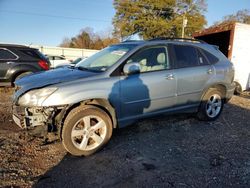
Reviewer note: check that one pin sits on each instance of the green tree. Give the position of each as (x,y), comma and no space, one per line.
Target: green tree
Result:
(193,11)
(162,18)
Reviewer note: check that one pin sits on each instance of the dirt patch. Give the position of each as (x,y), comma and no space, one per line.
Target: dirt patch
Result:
(165,151)
(24,158)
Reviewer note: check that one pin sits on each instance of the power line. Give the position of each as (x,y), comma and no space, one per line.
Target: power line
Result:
(52,16)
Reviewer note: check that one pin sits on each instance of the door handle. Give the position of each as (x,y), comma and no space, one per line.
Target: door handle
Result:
(210,71)
(170,77)
(10,62)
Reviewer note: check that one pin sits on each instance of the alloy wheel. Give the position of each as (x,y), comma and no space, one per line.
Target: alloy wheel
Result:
(214,105)
(88,133)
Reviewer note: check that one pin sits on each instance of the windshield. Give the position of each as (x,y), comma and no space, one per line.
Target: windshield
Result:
(104,59)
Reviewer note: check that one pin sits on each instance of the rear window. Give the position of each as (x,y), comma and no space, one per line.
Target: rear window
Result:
(31,53)
(211,58)
(7,55)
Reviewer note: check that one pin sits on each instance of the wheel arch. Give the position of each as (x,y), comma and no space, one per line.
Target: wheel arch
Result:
(218,86)
(15,71)
(101,103)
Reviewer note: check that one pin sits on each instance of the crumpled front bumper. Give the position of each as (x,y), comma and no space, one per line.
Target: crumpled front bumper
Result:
(28,117)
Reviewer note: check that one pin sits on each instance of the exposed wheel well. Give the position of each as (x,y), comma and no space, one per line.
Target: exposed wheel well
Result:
(100,103)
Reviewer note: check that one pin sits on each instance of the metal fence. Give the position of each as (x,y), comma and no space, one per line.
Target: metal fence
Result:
(69,53)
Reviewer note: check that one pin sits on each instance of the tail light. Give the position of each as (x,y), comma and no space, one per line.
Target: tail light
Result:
(43,64)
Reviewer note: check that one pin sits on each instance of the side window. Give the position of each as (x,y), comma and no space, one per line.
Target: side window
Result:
(202,59)
(211,58)
(50,57)
(151,59)
(59,58)
(7,55)
(185,56)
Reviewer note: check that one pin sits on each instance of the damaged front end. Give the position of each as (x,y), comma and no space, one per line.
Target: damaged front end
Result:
(29,113)
(31,117)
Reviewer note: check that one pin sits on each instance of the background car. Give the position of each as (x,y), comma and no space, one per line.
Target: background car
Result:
(57,61)
(78,60)
(73,63)
(17,61)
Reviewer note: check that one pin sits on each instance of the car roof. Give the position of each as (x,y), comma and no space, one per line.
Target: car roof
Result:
(16,46)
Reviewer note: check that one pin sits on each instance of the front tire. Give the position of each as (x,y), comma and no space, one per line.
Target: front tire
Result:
(86,130)
(211,105)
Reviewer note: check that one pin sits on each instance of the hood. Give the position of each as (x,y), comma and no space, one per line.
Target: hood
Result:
(51,77)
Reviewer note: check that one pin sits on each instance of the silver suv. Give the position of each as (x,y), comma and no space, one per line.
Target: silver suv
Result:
(122,84)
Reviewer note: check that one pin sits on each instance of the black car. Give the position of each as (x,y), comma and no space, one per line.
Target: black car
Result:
(17,61)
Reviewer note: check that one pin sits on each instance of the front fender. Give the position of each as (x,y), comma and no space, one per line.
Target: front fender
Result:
(72,93)
(58,99)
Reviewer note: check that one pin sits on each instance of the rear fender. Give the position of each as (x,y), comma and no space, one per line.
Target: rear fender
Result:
(18,69)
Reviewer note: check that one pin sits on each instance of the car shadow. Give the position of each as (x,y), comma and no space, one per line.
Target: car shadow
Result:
(165,151)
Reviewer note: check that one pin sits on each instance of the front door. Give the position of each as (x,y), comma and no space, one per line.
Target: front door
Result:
(153,89)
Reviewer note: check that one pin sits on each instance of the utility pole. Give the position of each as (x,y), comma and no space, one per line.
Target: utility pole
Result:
(184,25)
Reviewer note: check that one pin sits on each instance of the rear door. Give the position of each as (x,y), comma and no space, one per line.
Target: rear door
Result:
(7,61)
(192,72)
(153,89)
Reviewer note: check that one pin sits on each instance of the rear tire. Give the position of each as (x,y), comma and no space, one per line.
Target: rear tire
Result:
(211,105)
(86,130)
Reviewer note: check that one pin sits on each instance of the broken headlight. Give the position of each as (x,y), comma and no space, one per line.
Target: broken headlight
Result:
(35,97)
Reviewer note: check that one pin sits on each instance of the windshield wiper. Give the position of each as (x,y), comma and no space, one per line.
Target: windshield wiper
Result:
(87,69)
(83,68)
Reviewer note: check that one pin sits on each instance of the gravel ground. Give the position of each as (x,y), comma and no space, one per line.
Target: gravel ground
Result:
(172,151)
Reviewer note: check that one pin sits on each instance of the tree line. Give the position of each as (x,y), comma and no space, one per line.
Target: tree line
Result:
(88,39)
(241,16)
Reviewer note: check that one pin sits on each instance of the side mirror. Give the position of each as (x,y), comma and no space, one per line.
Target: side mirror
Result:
(131,68)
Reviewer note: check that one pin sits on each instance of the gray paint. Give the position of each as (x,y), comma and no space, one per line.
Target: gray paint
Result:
(134,96)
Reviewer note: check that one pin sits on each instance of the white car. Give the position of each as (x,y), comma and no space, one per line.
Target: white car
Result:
(57,61)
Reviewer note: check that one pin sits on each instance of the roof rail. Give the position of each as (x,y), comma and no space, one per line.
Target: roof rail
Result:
(179,39)
(131,41)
